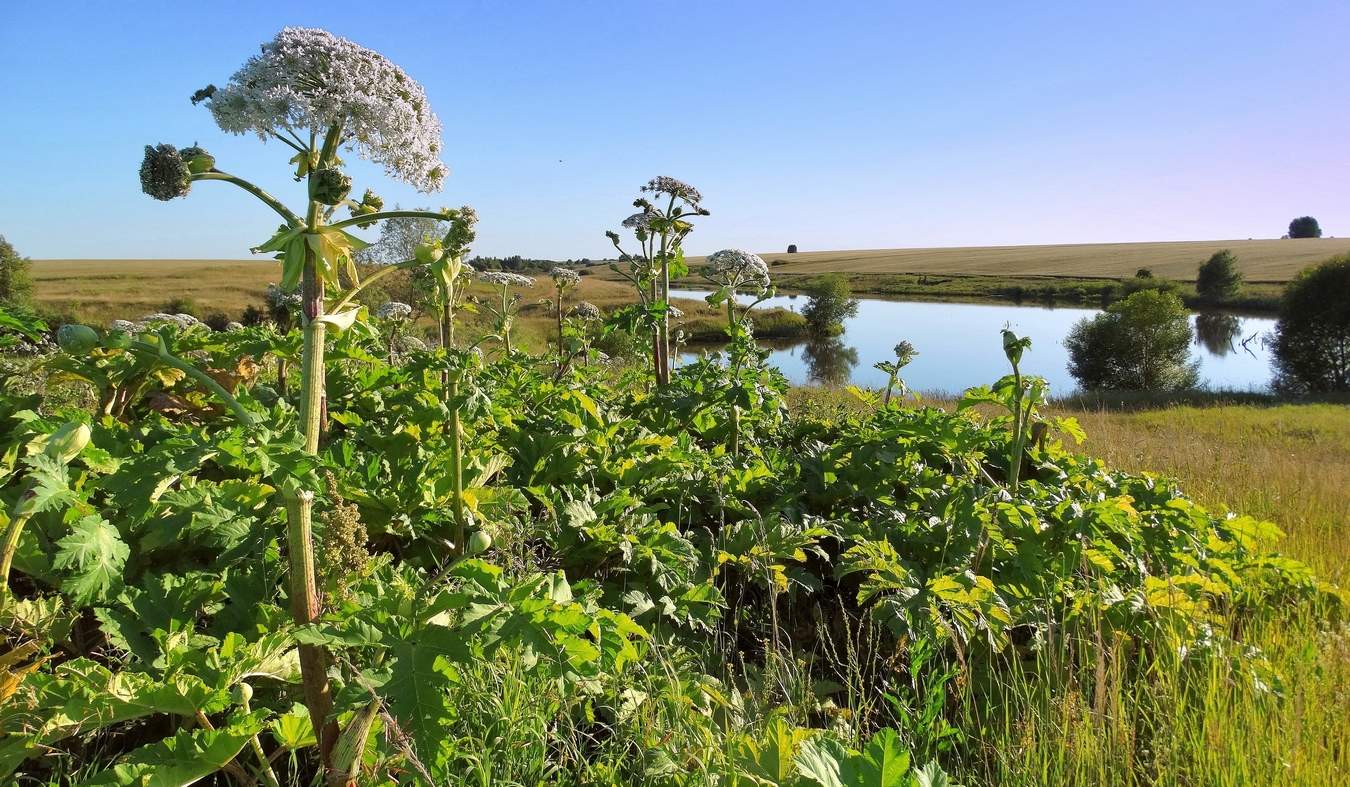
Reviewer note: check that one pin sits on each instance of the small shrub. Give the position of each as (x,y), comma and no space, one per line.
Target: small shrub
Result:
(182,305)
(1312,337)
(1142,343)
(1219,278)
(831,302)
(217,321)
(16,282)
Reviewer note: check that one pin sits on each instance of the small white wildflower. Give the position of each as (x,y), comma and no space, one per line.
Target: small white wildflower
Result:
(586,311)
(736,268)
(506,279)
(306,80)
(565,277)
(394,310)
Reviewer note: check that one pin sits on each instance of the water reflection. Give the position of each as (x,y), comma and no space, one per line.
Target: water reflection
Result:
(959,346)
(1217,332)
(829,361)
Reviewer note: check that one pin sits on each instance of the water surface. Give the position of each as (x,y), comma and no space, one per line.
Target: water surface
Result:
(960,346)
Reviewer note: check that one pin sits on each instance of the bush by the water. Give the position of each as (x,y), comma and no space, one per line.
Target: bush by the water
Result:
(1312,337)
(1218,278)
(1142,343)
(830,302)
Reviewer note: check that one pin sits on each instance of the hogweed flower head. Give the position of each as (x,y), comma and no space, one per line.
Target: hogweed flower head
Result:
(674,188)
(904,353)
(198,160)
(307,80)
(586,310)
(565,277)
(234,325)
(506,279)
(122,325)
(736,268)
(159,318)
(394,310)
(280,300)
(462,231)
(164,173)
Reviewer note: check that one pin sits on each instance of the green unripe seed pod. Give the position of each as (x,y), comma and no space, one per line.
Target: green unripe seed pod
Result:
(66,443)
(479,543)
(330,186)
(77,339)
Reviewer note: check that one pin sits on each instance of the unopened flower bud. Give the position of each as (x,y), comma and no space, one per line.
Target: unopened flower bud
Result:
(478,543)
(198,160)
(77,339)
(66,443)
(428,251)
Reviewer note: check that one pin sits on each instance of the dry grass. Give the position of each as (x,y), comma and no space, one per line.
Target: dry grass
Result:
(1260,260)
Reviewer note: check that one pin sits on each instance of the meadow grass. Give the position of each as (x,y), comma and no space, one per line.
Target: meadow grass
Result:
(1089,710)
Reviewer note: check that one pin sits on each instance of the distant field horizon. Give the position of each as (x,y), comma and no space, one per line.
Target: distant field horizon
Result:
(122,286)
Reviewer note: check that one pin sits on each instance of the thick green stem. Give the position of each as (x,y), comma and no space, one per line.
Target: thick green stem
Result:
(456,464)
(17,519)
(267,199)
(1015,460)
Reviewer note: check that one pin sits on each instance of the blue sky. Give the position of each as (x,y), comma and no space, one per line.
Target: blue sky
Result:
(828,125)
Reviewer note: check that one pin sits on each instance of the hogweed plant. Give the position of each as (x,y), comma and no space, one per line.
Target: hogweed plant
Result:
(904,353)
(317,94)
(734,272)
(396,316)
(564,279)
(660,227)
(508,303)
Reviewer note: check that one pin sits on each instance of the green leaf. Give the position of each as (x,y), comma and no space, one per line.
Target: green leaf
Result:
(883,763)
(94,554)
(184,759)
(819,761)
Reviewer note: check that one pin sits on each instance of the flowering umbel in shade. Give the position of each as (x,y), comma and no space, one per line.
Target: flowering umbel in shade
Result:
(736,268)
(307,80)
(164,173)
(565,277)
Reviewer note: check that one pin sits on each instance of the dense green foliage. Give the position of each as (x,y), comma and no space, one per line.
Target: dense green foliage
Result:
(1305,227)
(1218,278)
(1142,343)
(830,302)
(16,280)
(1312,337)
(682,585)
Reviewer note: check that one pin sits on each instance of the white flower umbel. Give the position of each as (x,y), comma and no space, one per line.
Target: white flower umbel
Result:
(122,325)
(307,80)
(506,279)
(586,310)
(394,310)
(565,277)
(738,269)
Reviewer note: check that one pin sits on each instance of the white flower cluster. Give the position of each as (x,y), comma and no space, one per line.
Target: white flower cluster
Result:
(736,268)
(122,325)
(234,325)
(674,188)
(565,277)
(280,300)
(307,79)
(639,221)
(181,320)
(586,311)
(506,279)
(674,312)
(393,310)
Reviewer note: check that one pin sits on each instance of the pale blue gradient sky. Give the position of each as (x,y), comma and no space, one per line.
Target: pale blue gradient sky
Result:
(829,125)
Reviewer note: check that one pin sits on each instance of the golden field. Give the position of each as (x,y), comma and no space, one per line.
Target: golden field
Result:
(1272,261)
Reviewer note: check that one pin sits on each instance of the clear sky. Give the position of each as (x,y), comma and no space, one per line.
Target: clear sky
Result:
(829,125)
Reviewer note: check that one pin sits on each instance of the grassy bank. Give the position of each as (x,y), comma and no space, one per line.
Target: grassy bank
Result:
(1132,717)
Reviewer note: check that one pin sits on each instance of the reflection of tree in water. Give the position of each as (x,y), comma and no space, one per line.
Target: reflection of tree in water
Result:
(829,361)
(1215,331)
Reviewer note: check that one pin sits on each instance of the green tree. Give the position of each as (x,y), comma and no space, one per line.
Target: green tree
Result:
(1312,337)
(1305,227)
(16,281)
(1219,278)
(1142,343)
(831,302)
